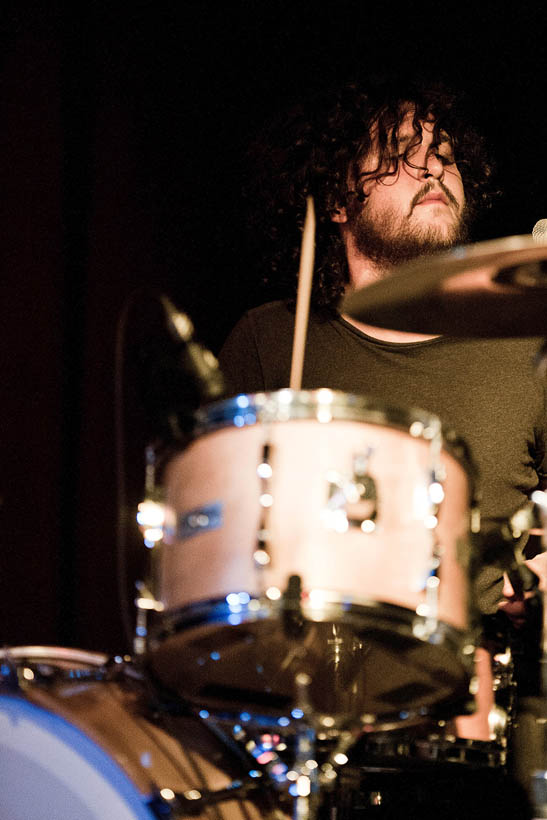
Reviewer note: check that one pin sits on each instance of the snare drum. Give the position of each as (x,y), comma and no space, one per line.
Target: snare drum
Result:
(80,742)
(316,556)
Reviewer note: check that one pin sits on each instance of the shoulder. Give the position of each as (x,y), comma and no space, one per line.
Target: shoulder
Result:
(269,315)
(258,324)
(272,321)
(257,353)
(255,345)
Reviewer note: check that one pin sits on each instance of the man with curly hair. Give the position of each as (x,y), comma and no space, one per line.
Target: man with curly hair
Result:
(395,175)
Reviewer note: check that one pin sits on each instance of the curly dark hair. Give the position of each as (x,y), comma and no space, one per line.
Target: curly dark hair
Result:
(317,148)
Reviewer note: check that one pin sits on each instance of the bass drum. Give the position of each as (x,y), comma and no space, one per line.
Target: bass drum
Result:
(316,556)
(77,746)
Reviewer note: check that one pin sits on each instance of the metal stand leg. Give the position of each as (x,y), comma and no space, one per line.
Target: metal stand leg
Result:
(309,780)
(530,736)
(304,787)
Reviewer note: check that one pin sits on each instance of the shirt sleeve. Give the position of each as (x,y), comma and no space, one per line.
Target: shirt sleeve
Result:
(240,361)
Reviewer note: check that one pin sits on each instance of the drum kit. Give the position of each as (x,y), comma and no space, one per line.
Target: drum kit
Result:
(311,556)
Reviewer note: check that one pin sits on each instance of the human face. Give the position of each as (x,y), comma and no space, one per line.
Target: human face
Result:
(416,210)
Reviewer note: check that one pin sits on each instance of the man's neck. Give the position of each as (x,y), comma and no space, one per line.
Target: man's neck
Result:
(363,272)
(386,335)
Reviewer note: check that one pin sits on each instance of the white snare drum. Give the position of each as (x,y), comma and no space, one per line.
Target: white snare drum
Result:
(76,746)
(321,533)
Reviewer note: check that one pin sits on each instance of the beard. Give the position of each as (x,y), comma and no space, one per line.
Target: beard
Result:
(391,238)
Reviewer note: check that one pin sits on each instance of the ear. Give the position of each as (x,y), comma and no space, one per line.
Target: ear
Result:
(339,215)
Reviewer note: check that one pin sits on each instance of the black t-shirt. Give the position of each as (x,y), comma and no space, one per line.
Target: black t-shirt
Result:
(486,390)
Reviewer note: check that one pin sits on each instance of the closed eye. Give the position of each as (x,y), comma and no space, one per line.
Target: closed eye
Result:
(446,159)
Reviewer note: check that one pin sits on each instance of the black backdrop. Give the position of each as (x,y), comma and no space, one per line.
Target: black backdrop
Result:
(123,133)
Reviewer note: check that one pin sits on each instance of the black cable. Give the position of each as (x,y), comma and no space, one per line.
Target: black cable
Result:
(120,473)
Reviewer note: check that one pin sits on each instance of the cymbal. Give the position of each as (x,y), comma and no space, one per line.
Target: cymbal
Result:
(492,289)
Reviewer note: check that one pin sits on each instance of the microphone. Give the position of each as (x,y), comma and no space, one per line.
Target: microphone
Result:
(175,375)
(197,362)
(539,232)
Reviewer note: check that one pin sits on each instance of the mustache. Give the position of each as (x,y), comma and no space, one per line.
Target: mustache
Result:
(427,188)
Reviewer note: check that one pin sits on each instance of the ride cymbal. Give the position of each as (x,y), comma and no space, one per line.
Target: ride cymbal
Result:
(490,289)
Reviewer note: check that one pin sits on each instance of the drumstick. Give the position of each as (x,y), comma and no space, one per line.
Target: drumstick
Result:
(305,275)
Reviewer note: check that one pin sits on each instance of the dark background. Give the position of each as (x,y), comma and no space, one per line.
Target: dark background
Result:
(123,137)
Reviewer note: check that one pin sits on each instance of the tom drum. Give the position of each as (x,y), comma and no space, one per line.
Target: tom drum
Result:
(316,556)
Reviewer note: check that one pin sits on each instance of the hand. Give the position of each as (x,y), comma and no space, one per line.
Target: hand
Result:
(538,565)
(513,604)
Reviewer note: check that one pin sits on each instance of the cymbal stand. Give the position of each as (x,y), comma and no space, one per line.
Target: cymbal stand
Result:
(530,737)
(309,779)
(304,785)
(538,785)
(540,500)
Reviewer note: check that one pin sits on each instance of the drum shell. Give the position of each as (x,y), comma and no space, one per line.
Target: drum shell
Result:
(113,728)
(389,565)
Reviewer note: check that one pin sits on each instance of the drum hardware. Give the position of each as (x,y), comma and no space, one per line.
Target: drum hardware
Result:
(151,511)
(426,627)
(388,752)
(501,717)
(294,623)
(311,782)
(269,709)
(144,604)
(303,778)
(530,741)
(352,502)
(526,721)
(439,743)
(151,520)
(176,372)
(24,666)
(299,768)
(343,650)
(264,472)
(194,801)
(491,289)
(78,740)
(266,768)
(174,803)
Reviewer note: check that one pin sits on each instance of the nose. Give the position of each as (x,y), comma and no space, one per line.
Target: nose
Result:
(508,591)
(433,166)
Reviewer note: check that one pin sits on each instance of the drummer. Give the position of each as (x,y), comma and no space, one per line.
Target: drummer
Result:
(395,174)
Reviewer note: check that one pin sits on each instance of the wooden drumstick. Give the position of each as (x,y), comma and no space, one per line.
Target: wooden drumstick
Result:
(305,276)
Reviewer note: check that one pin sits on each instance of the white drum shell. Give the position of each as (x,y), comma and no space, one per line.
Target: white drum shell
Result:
(389,565)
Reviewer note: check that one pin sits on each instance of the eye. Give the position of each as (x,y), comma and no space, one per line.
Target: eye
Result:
(444,153)
(446,159)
